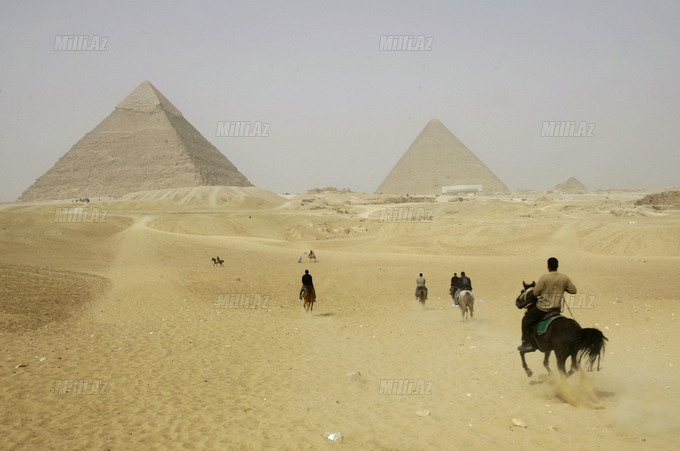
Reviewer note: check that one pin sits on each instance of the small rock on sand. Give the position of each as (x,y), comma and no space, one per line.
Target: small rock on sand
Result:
(519,423)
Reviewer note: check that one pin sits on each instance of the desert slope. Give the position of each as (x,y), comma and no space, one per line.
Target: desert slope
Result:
(138,304)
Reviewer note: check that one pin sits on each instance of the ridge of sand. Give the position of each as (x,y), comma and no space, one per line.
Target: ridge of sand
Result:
(212,196)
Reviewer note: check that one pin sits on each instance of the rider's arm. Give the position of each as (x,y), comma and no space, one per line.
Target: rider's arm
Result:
(570,288)
(538,289)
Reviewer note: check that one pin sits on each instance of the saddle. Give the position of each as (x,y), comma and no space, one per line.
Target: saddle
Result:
(551,313)
(543,324)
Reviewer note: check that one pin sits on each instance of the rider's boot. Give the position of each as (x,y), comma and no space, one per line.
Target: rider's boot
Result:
(527,346)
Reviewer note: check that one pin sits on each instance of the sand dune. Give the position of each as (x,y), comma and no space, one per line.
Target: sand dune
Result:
(136,302)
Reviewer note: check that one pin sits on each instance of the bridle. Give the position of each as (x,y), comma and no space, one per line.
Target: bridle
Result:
(522,300)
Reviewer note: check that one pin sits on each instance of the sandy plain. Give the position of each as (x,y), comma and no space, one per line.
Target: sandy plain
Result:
(134,307)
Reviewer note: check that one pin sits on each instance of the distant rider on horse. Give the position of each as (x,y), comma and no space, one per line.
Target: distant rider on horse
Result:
(420,283)
(306,283)
(550,293)
(464,283)
(454,286)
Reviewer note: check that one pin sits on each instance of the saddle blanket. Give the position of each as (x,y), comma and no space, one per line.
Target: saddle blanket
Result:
(543,325)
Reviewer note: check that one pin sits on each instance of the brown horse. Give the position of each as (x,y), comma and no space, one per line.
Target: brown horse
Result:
(309,296)
(466,302)
(422,295)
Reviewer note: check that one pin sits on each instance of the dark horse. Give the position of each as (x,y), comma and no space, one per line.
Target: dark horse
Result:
(565,337)
(218,261)
(309,296)
(422,295)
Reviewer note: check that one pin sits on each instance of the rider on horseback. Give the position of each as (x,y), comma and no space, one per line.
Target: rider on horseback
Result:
(464,283)
(306,283)
(420,283)
(550,293)
(454,286)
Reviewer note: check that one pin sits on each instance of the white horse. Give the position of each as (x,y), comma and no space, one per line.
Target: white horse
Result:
(466,302)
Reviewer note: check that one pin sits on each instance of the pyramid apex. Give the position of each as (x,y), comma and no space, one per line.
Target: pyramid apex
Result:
(145,98)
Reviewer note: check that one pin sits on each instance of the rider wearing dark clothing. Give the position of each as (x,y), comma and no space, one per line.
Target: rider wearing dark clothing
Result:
(306,283)
(464,283)
(454,287)
(454,280)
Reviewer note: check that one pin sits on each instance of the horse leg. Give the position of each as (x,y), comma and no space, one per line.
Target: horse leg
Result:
(472,309)
(574,364)
(561,362)
(546,364)
(524,365)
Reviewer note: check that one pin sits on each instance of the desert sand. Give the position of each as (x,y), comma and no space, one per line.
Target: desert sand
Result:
(132,304)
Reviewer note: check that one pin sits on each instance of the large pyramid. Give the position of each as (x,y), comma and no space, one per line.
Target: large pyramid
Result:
(435,159)
(145,144)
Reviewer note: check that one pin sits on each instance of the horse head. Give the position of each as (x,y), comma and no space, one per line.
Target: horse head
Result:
(527,296)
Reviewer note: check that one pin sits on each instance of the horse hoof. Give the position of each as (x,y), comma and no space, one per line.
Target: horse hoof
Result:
(530,373)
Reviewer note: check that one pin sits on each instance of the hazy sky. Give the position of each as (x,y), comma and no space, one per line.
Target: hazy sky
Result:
(341,112)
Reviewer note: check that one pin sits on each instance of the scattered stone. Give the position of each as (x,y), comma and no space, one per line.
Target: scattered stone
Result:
(423,413)
(355,376)
(333,436)
(519,423)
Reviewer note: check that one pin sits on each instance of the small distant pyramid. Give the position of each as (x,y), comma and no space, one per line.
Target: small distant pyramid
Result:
(435,159)
(571,186)
(144,144)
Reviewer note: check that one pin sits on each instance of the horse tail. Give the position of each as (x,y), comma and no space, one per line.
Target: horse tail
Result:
(590,344)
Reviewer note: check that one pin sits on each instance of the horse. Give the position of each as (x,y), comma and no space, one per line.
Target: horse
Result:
(309,296)
(312,256)
(466,302)
(217,261)
(422,295)
(564,336)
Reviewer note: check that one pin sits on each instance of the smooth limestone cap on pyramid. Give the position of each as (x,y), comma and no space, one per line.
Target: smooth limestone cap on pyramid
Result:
(436,159)
(144,144)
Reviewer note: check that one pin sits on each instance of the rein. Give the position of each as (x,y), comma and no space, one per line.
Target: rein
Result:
(572,315)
